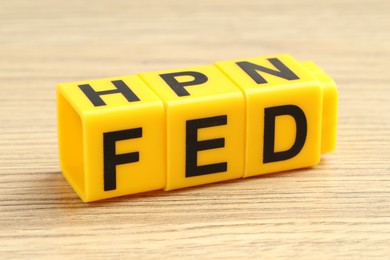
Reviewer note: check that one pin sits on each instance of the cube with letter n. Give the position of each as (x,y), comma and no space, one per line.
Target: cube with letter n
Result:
(284,112)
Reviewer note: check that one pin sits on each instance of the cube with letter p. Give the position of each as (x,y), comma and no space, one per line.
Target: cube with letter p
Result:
(205,125)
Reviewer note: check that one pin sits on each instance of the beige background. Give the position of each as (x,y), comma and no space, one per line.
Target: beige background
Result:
(339,209)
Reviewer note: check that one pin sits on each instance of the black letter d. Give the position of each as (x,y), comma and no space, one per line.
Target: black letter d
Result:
(269,154)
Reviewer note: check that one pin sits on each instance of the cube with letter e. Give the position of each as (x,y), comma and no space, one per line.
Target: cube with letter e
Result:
(205,125)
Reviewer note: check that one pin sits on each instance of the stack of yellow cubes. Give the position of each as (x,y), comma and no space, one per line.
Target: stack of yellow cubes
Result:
(185,127)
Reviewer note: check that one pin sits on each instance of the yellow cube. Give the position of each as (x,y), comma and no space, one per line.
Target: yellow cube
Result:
(284,113)
(205,115)
(106,148)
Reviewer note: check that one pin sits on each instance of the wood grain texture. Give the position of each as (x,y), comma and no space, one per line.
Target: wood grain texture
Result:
(340,209)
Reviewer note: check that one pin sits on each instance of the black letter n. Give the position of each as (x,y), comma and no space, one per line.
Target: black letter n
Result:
(252,70)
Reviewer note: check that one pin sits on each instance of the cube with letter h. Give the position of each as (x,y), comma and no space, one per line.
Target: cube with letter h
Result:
(180,128)
(111,137)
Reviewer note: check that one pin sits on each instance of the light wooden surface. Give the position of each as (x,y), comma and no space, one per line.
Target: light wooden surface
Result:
(339,209)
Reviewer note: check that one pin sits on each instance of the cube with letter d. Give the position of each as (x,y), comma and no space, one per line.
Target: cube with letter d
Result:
(106,148)
(284,112)
(205,115)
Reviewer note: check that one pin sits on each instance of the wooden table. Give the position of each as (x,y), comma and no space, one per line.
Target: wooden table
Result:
(340,208)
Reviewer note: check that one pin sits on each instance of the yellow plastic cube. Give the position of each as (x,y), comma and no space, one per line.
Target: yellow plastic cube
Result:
(284,103)
(111,137)
(205,115)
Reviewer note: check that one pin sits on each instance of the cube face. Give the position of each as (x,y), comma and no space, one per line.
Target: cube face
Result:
(253,73)
(284,113)
(219,125)
(115,148)
(205,127)
(283,107)
(189,83)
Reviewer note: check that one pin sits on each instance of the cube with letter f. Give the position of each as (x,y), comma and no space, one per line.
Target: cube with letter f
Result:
(106,148)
